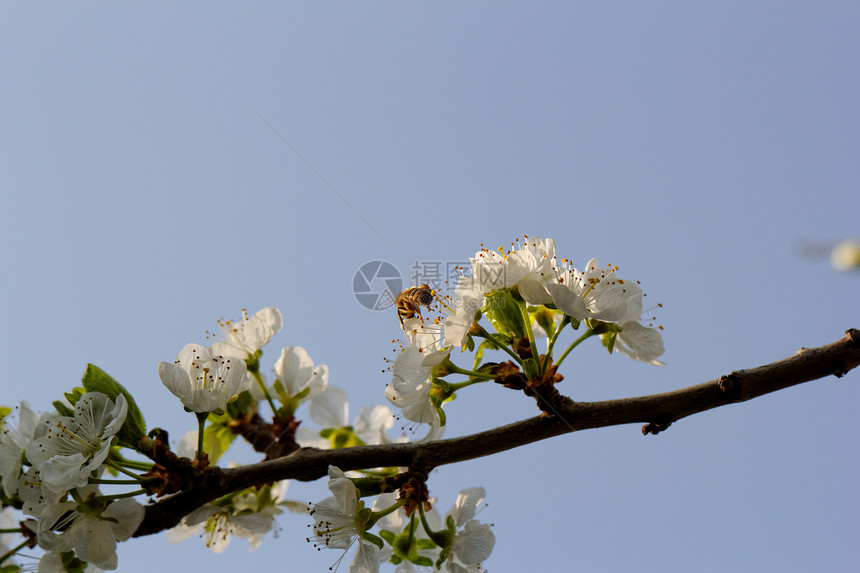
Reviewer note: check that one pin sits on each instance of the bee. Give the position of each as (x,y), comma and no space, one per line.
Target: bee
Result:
(410,301)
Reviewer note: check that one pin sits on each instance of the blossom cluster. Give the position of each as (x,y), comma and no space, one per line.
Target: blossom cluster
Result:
(67,474)
(594,294)
(526,293)
(51,464)
(405,538)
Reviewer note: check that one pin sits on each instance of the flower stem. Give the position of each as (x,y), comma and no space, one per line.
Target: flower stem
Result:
(483,332)
(113,481)
(377,515)
(527,323)
(456,386)
(133,465)
(430,533)
(424,523)
(14,550)
(586,334)
(259,378)
(201,421)
(413,525)
(470,373)
(225,500)
(551,344)
(121,469)
(121,495)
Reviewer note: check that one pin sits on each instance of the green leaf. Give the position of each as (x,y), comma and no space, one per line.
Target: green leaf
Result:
(280,390)
(373,539)
(97,380)
(443,555)
(470,343)
(504,314)
(368,486)
(441,416)
(545,319)
(289,403)
(342,437)
(608,340)
(62,409)
(217,436)
(75,395)
(531,368)
(70,562)
(422,561)
(479,354)
(243,404)
(387,536)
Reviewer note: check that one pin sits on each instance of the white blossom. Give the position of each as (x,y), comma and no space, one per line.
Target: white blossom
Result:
(73,447)
(53,563)
(396,521)
(372,424)
(13,443)
(331,408)
(249,514)
(35,497)
(92,534)
(219,524)
(410,386)
(528,265)
(7,521)
(426,336)
(468,300)
(488,270)
(473,541)
(330,411)
(596,293)
(204,380)
(640,343)
(338,523)
(298,375)
(244,337)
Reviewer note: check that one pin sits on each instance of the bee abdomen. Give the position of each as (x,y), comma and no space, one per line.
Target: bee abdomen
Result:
(410,301)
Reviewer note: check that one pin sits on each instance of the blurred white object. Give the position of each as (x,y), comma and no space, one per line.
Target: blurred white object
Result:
(845,256)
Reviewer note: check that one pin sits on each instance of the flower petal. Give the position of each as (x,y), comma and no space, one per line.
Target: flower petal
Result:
(331,408)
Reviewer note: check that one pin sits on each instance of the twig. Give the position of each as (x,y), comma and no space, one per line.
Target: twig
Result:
(656,411)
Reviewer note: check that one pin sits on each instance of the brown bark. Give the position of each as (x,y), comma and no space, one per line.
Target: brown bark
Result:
(656,411)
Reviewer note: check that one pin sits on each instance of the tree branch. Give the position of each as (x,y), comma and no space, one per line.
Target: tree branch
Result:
(656,411)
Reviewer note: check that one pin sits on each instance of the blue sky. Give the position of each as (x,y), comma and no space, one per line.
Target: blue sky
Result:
(166,165)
